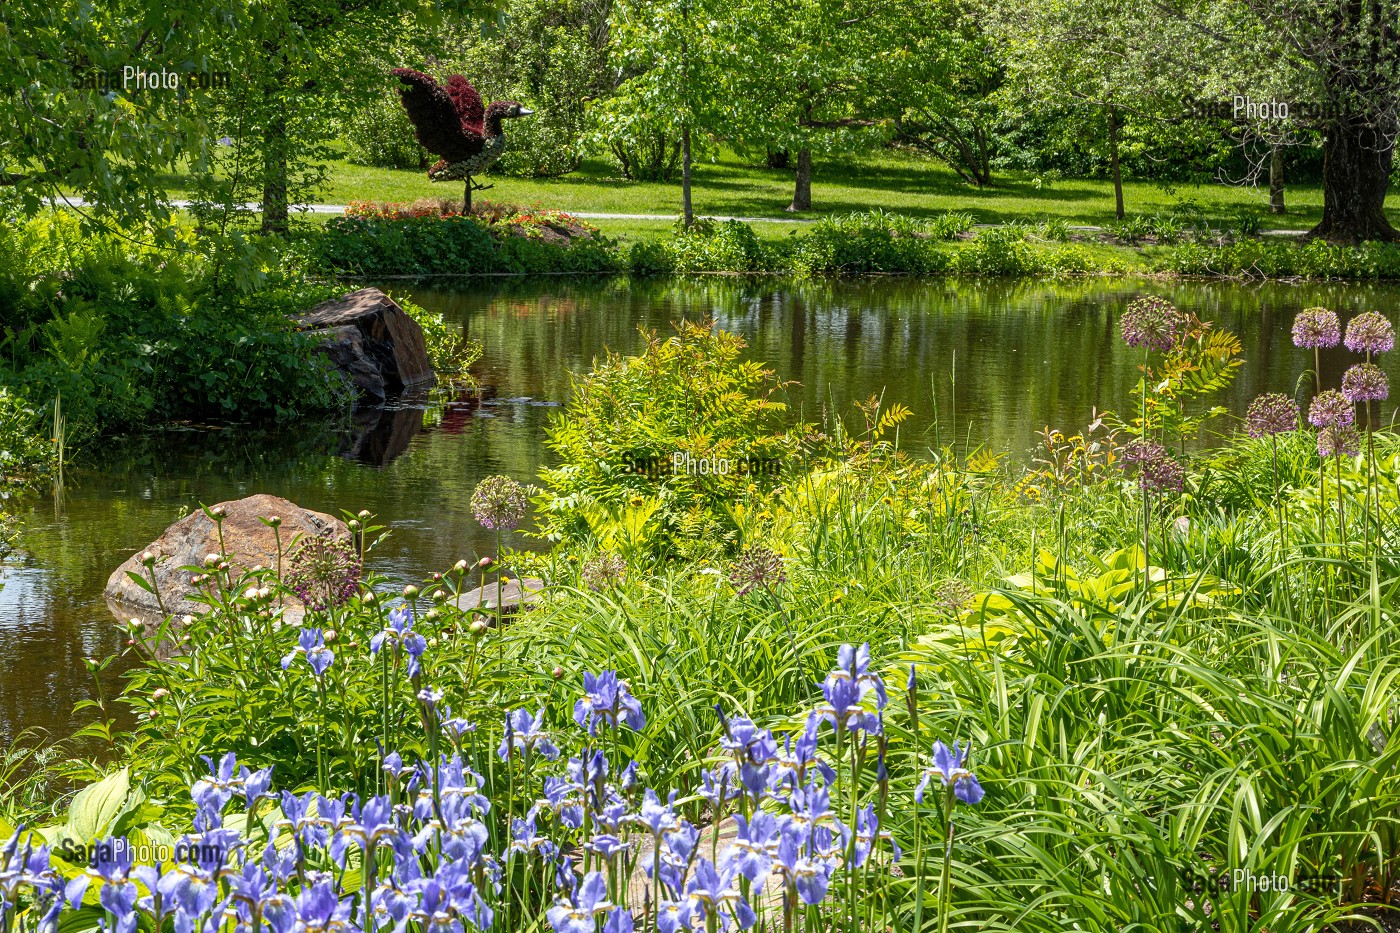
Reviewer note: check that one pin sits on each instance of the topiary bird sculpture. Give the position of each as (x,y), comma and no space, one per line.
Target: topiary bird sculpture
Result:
(450,121)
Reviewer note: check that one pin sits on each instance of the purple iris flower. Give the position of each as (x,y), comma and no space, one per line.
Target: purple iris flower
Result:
(606,845)
(211,794)
(525,838)
(810,875)
(255,785)
(299,814)
(28,868)
(751,854)
(400,625)
(414,644)
(656,817)
(121,901)
(311,643)
(719,785)
(674,916)
(711,892)
(628,777)
(618,920)
(111,864)
(370,826)
(316,908)
(868,835)
(846,688)
(609,701)
(526,734)
(948,765)
(576,915)
(755,779)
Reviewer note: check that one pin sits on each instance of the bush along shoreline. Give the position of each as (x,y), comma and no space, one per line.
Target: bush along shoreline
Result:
(430,238)
(876,693)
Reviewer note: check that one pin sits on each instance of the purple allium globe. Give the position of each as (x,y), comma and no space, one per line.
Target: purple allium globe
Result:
(1158,471)
(953,597)
(1366,382)
(1153,323)
(1370,333)
(1316,327)
(499,503)
(1339,440)
(603,570)
(755,567)
(1271,413)
(323,571)
(1331,409)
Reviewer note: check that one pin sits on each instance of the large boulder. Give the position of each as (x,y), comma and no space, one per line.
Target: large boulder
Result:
(248,541)
(373,341)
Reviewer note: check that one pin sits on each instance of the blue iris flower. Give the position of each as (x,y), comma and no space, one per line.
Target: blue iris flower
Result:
(609,701)
(576,915)
(948,766)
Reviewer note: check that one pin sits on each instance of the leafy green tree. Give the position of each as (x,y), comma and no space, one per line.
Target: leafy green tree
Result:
(794,70)
(667,50)
(67,123)
(1064,51)
(935,75)
(304,67)
(1338,63)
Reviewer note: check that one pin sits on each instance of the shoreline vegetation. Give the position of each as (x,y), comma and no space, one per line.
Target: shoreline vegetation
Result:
(985,676)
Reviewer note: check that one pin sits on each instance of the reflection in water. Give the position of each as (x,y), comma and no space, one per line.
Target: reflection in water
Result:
(994,361)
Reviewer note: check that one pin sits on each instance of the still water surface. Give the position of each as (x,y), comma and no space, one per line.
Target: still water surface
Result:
(996,361)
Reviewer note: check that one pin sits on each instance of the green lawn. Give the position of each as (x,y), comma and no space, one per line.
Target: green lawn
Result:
(892,181)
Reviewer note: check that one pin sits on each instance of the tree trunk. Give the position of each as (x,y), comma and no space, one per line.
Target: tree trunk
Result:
(1113,162)
(802,193)
(274,200)
(1356,161)
(688,212)
(274,144)
(467,198)
(1276,205)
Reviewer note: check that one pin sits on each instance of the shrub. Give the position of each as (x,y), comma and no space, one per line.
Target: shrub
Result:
(642,439)
(431,237)
(1273,258)
(998,251)
(873,242)
(710,246)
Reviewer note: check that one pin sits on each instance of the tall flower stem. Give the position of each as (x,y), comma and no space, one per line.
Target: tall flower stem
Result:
(945,876)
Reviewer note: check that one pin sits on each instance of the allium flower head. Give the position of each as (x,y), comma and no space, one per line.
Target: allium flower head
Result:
(499,503)
(1316,327)
(953,597)
(1158,471)
(323,571)
(1331,409)
(1370,333)
(756,567)
(603,570)
(1338,440)
(1153,323)
(1271,413)
(1365,382)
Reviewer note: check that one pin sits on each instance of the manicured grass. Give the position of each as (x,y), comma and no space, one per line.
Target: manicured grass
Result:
(891,181)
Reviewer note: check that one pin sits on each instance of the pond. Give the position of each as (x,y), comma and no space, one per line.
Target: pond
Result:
(996,361)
